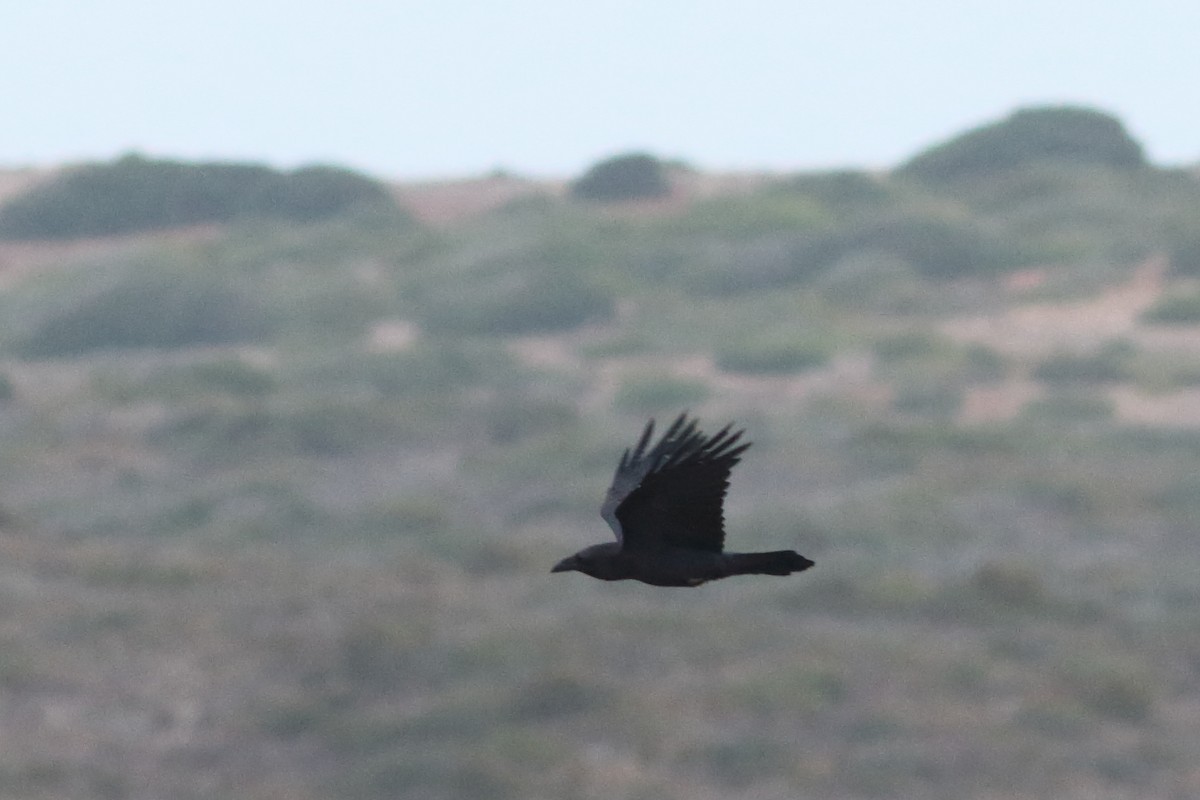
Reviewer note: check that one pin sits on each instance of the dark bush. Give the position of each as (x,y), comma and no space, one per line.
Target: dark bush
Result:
(982,363)
(1010,583)
(772,354)
(1184,252)
(869,280)
(912,243)
(1069,406)
(634,176)
(229,376)
(160,311)
(1179,308)
(320,427)
(515,299)
(136,193)
(767,262)
(656,394)
(935,246)
(1118,691)
(844,191)
(910,345)
(1055,134)
(558,695)
(1111,364)
(923,398)
(740,762)
(317,192)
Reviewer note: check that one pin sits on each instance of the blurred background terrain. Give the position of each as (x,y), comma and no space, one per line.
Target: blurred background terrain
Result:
(286,456)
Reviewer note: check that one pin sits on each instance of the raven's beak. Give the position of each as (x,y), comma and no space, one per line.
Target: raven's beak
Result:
(566,565)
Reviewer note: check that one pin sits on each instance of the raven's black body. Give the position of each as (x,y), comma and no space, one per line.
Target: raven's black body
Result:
(665,507)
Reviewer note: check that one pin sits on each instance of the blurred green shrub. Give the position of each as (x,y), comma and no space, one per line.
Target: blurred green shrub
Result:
(316,192)
(1175,308)
(651,394)
(631,176)
(1110,364)
(902,245)
(150,310)
(1055,134)
(428,369)
(516,417)
(1010,583)
(936,246)
(766,261)
(1069,405)
(910,345)
(514,298)
(559,694)
(229,376)
(375,653)
(1184,252)
(923,354)
(234,376)
(408,516)
(135,193)
(771,353)
(982,363)
(844,191)
(1167,370)
(741,217)
(318,427)
(934,399)
(865,279)
(1114,689)
(739,762)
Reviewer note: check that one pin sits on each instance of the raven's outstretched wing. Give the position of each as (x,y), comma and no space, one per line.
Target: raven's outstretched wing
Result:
(634,465)
(673,494)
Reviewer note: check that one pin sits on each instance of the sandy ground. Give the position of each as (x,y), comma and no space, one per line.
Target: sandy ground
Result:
(1038,329)
(18,258)
(15,181)
(441,203)
(1029,332)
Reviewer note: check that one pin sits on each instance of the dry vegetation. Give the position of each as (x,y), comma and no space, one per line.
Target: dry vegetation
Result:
(308,557)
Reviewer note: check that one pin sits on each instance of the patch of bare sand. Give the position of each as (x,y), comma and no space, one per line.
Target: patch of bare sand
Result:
(1180,408)
(15,181)
(18,258)
(545,352)
(444,202)
(392,336)
(1036,330)
(997,402)
(1042,328)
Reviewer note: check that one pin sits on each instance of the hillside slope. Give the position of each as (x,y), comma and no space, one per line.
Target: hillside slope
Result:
(304,551)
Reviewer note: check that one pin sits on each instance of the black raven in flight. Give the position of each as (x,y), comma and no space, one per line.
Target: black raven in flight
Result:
(664,505)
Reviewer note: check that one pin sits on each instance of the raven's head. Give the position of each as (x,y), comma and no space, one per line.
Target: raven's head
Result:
(600,561)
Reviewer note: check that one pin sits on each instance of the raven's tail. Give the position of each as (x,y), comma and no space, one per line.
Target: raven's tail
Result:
(777,562)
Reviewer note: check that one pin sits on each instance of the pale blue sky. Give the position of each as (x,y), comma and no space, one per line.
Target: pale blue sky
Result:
(450,88)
